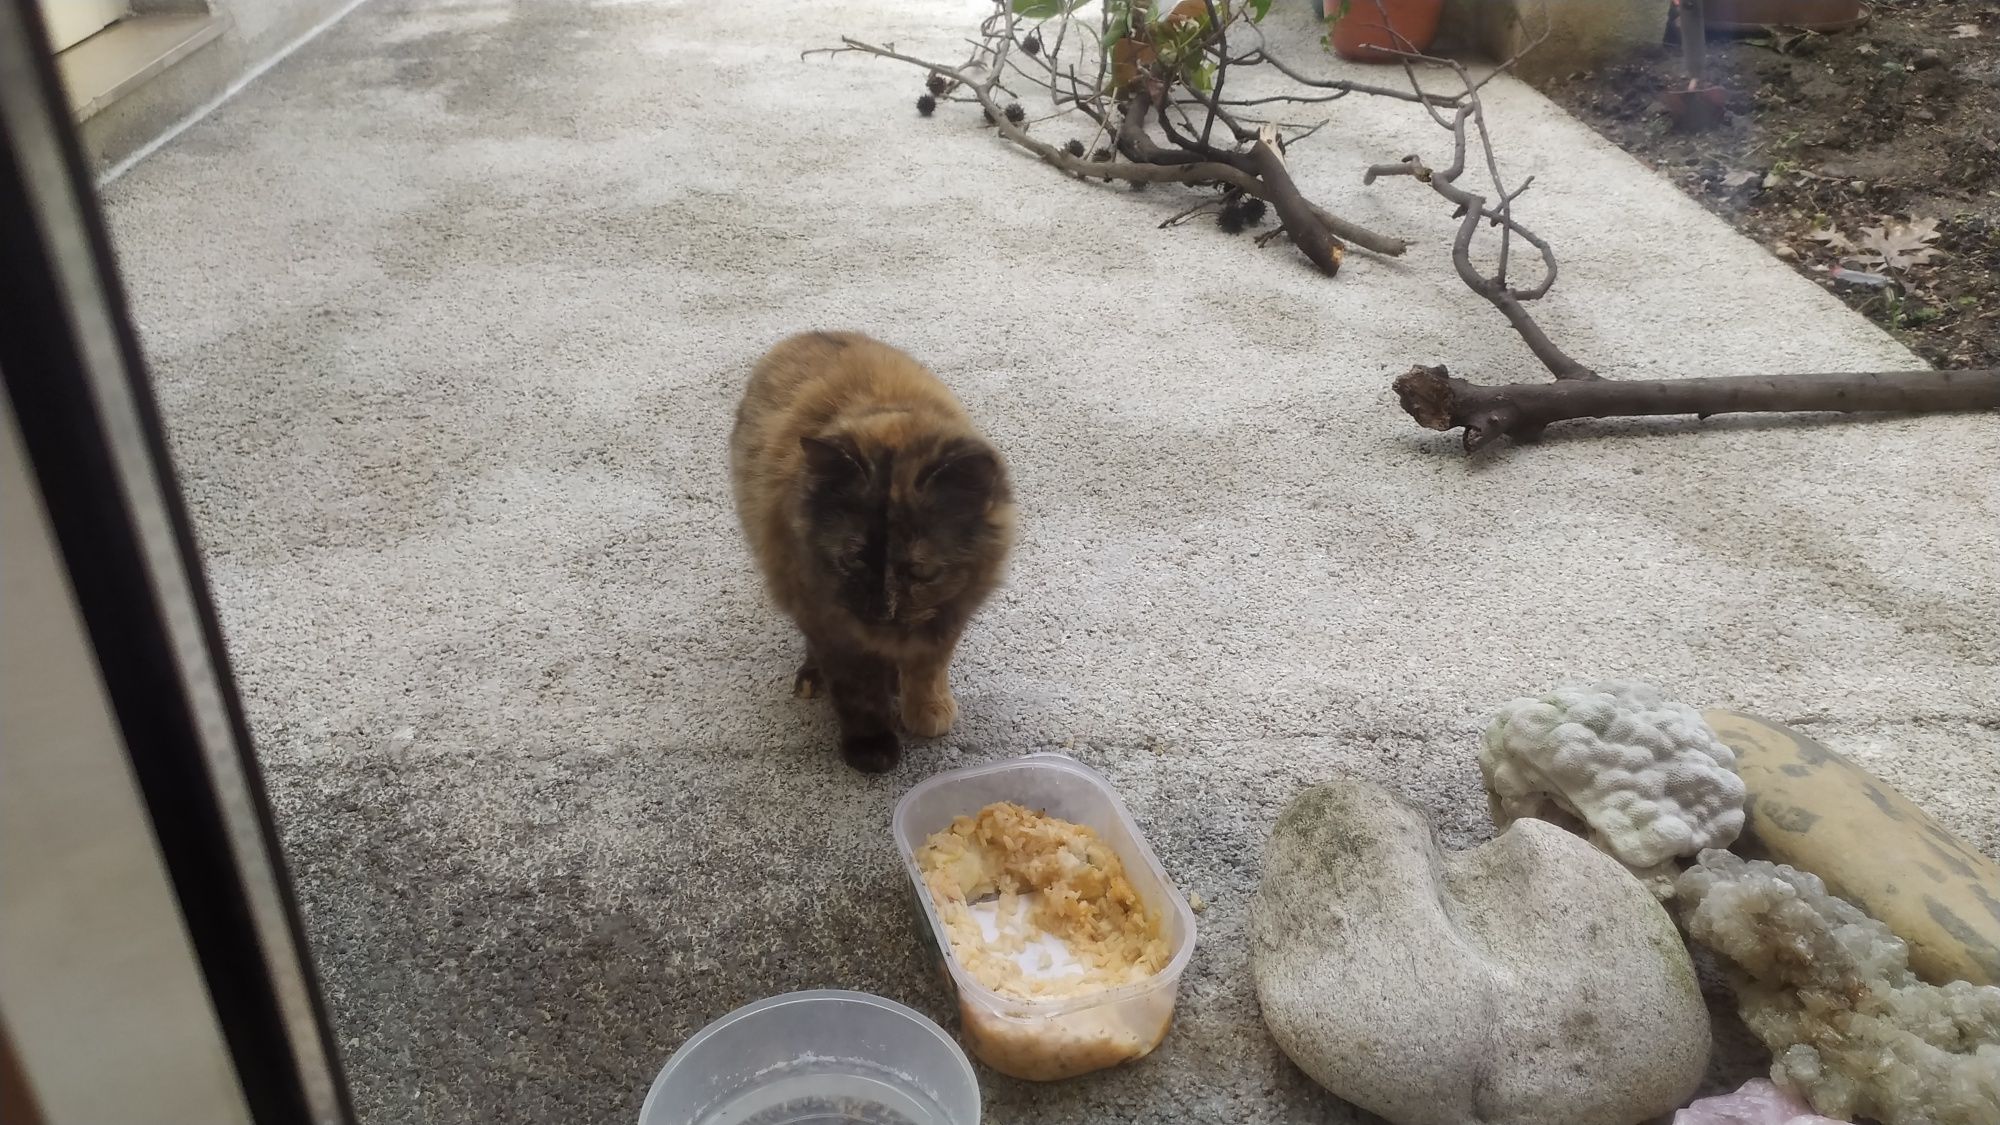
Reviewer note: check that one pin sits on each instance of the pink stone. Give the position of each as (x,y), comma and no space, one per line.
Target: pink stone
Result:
(1757,1102)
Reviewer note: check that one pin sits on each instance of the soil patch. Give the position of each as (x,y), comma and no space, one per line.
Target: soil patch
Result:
(1891,127)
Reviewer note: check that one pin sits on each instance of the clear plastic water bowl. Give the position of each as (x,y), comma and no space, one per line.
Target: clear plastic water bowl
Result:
(816,1058)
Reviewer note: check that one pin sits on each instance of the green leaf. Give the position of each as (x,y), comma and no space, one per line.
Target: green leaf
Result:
(1202,78)
(1258,9)
(1040,9)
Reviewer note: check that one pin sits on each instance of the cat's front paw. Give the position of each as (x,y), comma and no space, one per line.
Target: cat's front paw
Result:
(929,717)
(871,753)
(807,683)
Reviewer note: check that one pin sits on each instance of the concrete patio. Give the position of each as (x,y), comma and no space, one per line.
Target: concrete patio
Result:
(448,313)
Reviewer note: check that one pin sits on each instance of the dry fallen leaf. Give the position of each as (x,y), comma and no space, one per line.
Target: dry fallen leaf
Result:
(1899,246)
(1965,31)
(1833,239)
(1738,179)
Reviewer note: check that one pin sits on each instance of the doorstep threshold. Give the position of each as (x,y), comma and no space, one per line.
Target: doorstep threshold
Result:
(121,58)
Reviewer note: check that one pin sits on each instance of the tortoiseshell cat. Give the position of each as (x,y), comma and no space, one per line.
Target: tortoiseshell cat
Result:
(881,520)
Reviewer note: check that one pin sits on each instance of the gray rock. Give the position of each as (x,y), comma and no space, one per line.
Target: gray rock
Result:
(1529,981)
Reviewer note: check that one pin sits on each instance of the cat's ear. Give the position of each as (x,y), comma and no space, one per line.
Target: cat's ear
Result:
(832,458)
(965,468)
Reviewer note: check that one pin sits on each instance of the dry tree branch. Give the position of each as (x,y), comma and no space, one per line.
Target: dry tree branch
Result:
(1441,401)
(1251,162)
(1289,99)
(1341,87)
(1214,98)
(1473,209)
(1469,108)
(1183,215)
(1167,85)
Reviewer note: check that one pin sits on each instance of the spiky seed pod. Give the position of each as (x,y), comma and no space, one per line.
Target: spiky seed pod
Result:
(936,84)
(1032,44)
(926,104)
(1230,218)
(1101,155)
(1015,113)
(1253,210)
(1074,148)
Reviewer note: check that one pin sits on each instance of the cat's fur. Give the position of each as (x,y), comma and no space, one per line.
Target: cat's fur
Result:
(881,519)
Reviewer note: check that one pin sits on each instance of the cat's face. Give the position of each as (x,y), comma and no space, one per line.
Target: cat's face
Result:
(899,533)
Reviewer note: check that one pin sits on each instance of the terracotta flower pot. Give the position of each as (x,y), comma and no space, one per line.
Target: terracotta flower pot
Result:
(1362,33)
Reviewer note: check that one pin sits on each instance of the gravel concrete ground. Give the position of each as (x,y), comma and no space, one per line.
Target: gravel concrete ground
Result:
(449,312)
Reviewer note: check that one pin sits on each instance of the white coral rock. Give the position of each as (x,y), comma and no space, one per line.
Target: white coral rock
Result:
(1644,777)
(1829,990)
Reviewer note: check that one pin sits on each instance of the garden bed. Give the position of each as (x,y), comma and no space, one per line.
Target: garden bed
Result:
(1895,123)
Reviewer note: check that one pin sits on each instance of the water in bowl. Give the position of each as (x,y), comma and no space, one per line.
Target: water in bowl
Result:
(826,1097)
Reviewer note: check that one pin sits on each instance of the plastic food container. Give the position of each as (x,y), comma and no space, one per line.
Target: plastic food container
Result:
(816,1058)
(1043,1040)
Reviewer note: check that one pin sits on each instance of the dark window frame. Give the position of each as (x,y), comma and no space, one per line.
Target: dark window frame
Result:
(75,376)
